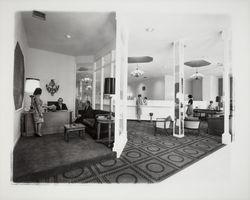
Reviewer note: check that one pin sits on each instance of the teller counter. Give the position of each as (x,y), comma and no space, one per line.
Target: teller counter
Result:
(53,122)
(160,109)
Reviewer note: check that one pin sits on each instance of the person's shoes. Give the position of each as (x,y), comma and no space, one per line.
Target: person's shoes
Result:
(39,134)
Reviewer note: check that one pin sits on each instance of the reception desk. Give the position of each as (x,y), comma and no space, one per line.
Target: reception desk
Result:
(53,122)
(158,108)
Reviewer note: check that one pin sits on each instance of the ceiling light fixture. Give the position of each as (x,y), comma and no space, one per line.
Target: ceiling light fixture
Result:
(149,29)
(87,80)
(197,75)
(68,36)
(137,73)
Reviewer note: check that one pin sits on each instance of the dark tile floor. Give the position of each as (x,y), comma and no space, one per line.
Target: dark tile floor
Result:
(146,158)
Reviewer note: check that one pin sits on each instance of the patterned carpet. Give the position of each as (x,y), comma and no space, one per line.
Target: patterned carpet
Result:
(146,158)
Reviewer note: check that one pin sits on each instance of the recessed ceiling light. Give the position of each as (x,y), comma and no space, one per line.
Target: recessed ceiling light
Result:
(68,36)
(149,29)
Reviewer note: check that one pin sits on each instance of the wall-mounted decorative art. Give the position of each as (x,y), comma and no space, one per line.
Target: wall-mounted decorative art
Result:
(18,87)
(52,87)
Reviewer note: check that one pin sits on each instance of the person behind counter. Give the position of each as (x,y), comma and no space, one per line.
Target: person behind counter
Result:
(189,111)
(211,106)
(60,105)
(139,103)
(145,101)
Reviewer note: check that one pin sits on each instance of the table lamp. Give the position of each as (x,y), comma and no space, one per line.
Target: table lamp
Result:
(109,89)
(30,85)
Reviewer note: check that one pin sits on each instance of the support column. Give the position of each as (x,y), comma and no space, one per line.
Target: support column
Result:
(226,137)
(112,74)
(102,82)
(179,88)
(94,86)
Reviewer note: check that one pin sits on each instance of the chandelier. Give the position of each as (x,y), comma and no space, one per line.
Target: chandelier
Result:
(197,75)
(86,80)
(137,73)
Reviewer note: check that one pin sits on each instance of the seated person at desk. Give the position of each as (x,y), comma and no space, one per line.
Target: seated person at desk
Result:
(60,105)
(210,106)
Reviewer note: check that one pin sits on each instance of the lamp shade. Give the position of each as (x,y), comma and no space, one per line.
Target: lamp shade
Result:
(31,84)
(109,86)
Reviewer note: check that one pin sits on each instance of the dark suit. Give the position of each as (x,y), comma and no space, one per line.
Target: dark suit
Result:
(62,107)
(86,113)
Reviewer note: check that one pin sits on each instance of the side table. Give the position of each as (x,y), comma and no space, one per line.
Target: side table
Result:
(105,121)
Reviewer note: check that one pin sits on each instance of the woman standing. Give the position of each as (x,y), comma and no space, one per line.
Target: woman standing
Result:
(37,104)
(139,103)
(189,111)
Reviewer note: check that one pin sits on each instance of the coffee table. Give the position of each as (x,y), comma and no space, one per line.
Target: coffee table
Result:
(70,128)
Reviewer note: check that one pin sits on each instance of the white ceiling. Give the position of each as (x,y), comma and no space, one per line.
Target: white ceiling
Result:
(201,35)
(89,32)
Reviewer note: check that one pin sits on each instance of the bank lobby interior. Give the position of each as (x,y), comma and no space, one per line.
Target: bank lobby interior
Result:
(104,74)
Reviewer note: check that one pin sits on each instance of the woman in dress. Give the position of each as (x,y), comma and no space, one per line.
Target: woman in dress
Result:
(139,103)
(189,111)
(37,105)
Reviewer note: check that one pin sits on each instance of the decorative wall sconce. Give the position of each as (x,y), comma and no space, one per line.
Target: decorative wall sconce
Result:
(52,87)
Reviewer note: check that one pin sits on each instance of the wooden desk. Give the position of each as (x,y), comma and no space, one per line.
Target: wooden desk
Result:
(104,121)
(207,112)
(53,122)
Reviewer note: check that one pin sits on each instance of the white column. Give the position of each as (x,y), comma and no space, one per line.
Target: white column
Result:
(112,69)
(112,74)
(102,82)
(179,78)
(94,86)
(226,137)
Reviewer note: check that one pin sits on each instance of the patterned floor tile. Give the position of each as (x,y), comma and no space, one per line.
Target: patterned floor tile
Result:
(75,175)
(155,169)
(109,165)
(168,144)
(137,141)
(176,159)
(127,175)
(183,140)
(204,146)
(134,155)
(94,179)
(189,151)
(153,149)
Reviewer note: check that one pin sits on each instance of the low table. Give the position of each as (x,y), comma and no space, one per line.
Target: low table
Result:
(69,128)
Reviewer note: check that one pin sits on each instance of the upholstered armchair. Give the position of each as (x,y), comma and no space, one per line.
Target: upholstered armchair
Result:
(163,123)
(192,124)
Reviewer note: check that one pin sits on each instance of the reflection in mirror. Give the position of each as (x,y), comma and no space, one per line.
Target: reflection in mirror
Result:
(83,89)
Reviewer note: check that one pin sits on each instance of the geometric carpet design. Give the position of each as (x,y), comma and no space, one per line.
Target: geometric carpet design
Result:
(146,158)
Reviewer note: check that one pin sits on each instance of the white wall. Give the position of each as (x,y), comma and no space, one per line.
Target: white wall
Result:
(210,88)
(188,88)
(169,87)
(47,65)
(197,89)
(155,88)
(20,37)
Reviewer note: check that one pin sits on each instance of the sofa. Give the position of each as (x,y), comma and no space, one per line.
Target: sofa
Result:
(92,124)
